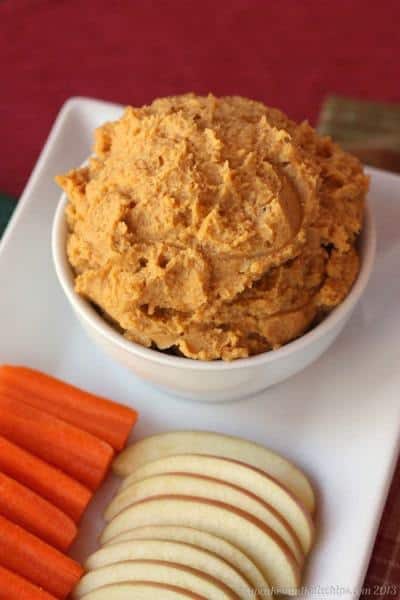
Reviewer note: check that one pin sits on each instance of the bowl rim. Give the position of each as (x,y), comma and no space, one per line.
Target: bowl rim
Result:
(104,329)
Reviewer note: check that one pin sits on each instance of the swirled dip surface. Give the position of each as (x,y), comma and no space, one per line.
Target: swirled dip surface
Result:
(216,228)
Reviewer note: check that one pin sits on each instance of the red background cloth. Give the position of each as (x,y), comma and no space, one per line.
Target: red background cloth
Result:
(287,53)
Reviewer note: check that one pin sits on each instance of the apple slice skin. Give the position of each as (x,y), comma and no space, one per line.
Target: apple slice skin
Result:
(239,528)
(210,443)
(206,541)
(230,471)
(158,571)
(187,484)
(175,552)
(141,591)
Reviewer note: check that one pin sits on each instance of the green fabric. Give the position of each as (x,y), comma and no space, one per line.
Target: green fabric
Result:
(7,206)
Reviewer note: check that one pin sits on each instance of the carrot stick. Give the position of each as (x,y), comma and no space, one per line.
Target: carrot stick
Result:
(76,452)
(14,587)
(103,418)
(66,493)
(31,558)
(25,508)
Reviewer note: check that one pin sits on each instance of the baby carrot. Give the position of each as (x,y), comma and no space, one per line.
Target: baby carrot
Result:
(14,587)
(31,558)
(50,483)
(76,452)
(25,508)
(103,418)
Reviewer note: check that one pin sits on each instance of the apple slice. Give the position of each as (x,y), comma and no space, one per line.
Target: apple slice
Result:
(236,526)
(141,591)
(242,475)
(175,552)
(155,571)
(206,541)
(184,484)
(206,442)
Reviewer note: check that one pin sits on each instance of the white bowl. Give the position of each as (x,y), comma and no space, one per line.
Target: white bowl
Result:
(213,381)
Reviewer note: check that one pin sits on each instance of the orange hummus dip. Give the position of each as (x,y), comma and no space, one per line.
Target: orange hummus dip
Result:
(215,228)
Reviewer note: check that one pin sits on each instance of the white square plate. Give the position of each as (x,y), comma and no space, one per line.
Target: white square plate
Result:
(339,419)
